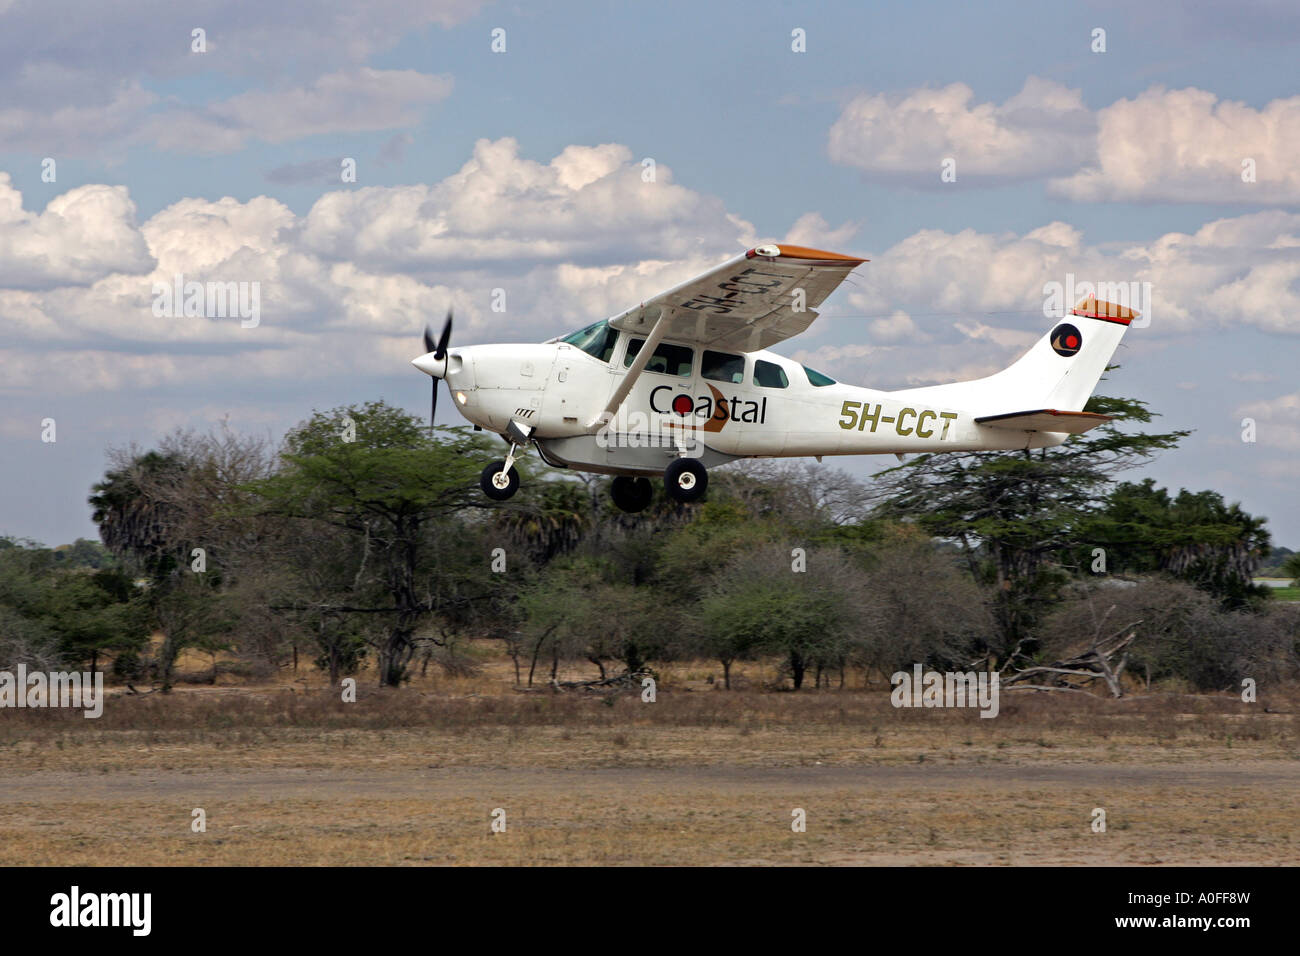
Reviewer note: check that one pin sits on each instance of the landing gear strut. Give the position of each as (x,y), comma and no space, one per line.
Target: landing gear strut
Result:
(685,479)
(631,494)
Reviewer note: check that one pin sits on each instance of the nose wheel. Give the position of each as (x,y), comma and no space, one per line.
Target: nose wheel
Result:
(685,479)
(500,480)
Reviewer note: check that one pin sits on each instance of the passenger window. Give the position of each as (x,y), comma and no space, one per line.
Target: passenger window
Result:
(667,360)
(769,375)
(723,367)
(816,378)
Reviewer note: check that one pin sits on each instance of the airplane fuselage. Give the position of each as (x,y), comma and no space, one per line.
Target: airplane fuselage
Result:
(560,390)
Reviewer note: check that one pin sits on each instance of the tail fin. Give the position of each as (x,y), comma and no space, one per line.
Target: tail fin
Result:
(1059,372)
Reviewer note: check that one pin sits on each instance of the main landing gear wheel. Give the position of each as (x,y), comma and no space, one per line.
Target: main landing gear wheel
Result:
(499,481)
(631,494)
(685,479)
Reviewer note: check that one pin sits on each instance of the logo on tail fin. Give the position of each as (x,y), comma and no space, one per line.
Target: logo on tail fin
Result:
(1066,340)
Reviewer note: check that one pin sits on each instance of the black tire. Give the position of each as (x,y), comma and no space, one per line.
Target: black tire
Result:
(497,483)
(685,479)
(631,494)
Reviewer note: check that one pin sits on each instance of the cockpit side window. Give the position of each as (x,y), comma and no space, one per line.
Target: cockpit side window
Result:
(597,340)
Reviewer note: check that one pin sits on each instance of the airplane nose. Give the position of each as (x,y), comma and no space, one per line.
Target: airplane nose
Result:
(437,367)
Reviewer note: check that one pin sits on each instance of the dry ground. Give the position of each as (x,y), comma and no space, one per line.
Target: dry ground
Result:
(294,776)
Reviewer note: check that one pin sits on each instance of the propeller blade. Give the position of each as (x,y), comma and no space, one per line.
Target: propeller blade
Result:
(441,350)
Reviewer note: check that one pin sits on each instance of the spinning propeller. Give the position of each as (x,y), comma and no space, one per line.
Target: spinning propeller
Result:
(439,350)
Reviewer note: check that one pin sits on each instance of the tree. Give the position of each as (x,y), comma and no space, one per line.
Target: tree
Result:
(137,522)
(921,605)
(1195,536)
(172,515)
(392,490)
(1013,514)
(91,614)
(758,603)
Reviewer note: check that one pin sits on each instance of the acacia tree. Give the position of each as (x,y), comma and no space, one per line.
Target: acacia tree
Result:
(1013,514)
(374,474)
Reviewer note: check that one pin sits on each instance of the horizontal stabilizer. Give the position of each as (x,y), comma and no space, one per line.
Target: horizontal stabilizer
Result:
(1045,420)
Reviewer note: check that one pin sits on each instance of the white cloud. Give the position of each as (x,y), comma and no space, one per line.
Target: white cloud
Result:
(1162,145)
(1044,128)
(896,327)
(83,235)
(346,288)
(587,205)
(1188,146)
(812,229)
(1240,270)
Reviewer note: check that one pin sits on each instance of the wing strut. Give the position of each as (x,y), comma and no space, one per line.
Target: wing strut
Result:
(634,371)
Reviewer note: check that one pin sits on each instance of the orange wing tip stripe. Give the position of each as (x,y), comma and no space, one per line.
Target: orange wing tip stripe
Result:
(1094,308)
(773,251)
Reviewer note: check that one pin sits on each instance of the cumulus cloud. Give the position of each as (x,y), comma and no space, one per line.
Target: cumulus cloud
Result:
(958,305)
(1244,269)
(1160,146)
(812,229)
(1189,146)
(586,206)
(1045,128)
(345,288)
(898,326)
(83,235)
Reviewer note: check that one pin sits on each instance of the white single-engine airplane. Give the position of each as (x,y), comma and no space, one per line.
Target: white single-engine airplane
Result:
(684,382)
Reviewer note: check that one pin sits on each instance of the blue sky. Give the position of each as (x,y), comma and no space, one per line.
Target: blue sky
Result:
(522,171)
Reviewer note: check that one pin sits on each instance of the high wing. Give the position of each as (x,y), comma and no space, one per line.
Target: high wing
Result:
(1046,420)
(748,303)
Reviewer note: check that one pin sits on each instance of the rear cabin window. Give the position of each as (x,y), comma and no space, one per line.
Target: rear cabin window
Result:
(723,367)
(667,360)
(597,340)
(769,375)
(816,378)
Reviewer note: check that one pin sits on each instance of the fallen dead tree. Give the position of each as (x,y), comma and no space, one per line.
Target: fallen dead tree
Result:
(1105,660)
(619,684)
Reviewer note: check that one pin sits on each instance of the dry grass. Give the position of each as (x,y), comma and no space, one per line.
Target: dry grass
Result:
(289,774)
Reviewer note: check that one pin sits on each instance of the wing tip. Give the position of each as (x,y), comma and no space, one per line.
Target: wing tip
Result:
(773,251)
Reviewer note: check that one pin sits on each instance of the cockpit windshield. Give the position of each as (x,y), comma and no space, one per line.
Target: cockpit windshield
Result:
(597,340)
